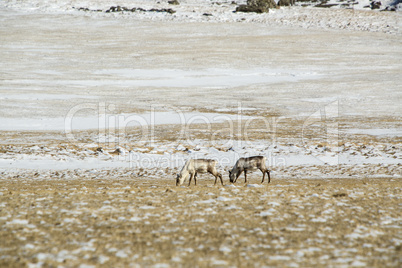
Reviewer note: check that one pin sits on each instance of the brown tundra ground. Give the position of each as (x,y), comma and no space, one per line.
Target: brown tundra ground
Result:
(106,221)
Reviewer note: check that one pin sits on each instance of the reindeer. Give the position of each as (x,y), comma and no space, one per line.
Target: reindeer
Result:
(249,163)
(193,166)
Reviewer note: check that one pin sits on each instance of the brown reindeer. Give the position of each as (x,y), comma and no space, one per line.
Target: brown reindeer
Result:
(246,164)
(193,166)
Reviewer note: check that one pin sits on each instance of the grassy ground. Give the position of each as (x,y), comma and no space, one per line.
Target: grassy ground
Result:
(106,221)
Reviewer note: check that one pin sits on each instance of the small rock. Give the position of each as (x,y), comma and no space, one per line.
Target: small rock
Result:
(285,3)
(339,195)
(174,2)
(247,8)
(375,5)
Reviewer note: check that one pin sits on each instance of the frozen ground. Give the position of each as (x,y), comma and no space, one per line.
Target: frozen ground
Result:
(127,97)
(306,93)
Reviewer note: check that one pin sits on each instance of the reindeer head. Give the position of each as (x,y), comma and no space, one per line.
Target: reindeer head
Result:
(179,180)
(231,176)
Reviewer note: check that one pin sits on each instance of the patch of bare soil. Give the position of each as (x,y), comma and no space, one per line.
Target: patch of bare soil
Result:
(109,221)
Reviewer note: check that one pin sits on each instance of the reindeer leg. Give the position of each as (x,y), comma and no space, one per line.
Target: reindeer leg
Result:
(245,176)
(269,177)
(195,178)
(214,174)
(237,176)
(263,175)
(191,176)
(216,178)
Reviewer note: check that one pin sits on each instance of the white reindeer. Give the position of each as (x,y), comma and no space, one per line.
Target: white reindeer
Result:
(246,164)
(193,166)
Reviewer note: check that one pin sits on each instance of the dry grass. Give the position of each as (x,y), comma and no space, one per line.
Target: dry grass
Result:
(129,221)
